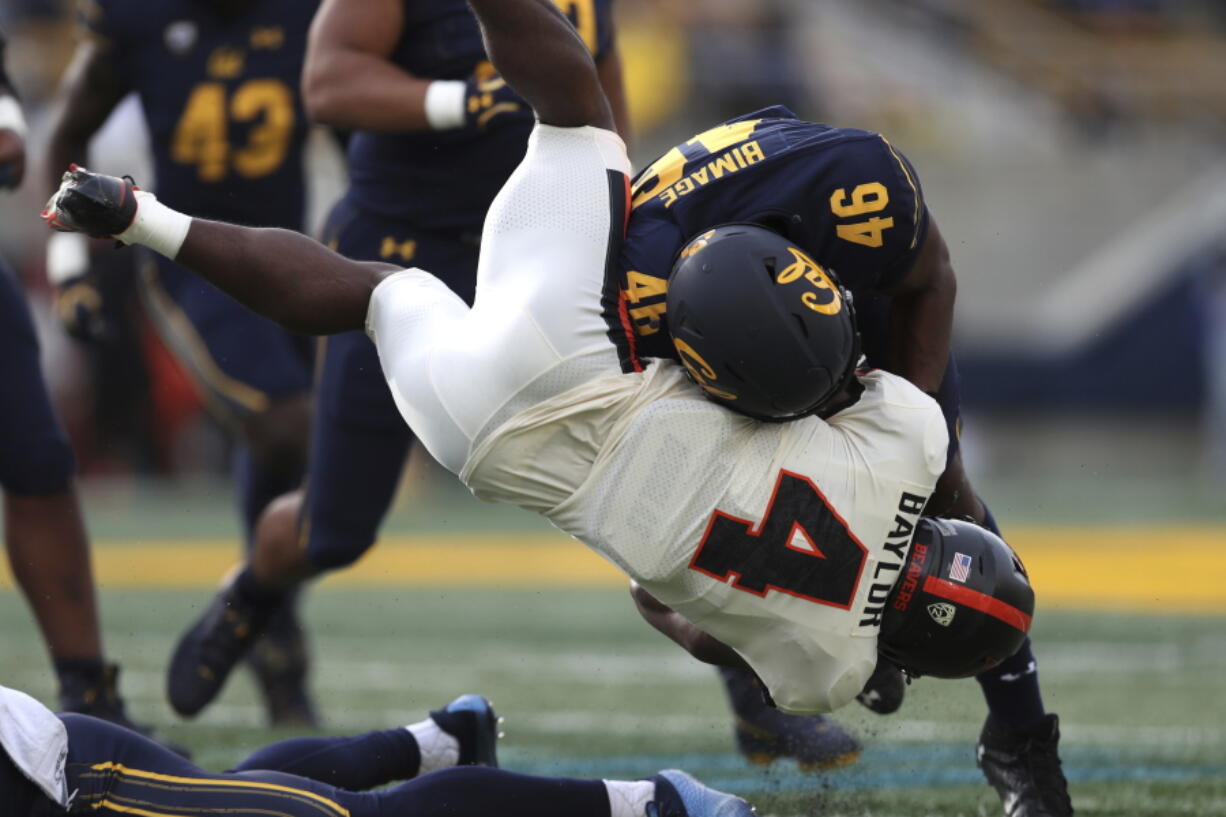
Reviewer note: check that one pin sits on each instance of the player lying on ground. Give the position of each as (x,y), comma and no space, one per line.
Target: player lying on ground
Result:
(524,396)
(75,763)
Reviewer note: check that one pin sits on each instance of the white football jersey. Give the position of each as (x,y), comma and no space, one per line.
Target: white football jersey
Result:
(780,539)
(36,741)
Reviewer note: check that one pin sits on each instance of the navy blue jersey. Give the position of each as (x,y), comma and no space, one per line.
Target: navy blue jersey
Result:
(445,180)
(221,95)
(846,196)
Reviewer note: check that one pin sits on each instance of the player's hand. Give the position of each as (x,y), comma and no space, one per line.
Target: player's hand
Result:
(12,158)
(79,302)
(92,203)
(489,100)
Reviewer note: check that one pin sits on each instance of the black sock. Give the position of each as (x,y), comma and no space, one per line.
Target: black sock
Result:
(250,590)
(1012,689)
(356,763)
(479,791)
(88,671)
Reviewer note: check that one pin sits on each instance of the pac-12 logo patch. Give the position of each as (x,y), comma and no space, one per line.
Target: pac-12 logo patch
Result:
(942,613)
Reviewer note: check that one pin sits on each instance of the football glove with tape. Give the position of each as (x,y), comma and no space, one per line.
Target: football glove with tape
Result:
(92,203)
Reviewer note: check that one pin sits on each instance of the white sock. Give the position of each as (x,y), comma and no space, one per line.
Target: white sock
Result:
(439,749)
(629,798)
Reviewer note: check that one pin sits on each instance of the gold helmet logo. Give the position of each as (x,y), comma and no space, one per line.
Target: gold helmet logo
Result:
(697,244)
(803,266)
(700,370)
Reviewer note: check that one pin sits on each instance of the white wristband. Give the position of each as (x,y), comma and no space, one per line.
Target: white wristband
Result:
(67,257)
(11,117)
(445,103)
(156,226)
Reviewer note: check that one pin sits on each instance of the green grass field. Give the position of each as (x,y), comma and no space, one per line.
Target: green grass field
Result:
(589,690)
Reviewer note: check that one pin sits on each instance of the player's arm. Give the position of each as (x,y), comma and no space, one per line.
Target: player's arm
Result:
(701,645)
(543,58)
(282,275)
(349,80)
(88,92)
(922,314)
(12,131)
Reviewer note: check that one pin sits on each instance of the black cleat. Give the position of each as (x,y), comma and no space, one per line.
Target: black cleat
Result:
(680,795)
(470,719)
(206,654)
(100,698)
(280,662)
(764,734)
(1023,765)
(885,689)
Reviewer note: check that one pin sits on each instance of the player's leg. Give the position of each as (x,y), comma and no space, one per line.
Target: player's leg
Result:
(539,325)
(256,380)
(1018,748)
(44,532)
(473,791)
(463,733)
(116,772)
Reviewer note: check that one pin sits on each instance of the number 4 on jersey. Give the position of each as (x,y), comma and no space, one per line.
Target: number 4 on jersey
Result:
(801,548)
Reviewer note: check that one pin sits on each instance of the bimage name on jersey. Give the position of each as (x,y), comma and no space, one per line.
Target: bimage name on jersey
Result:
(886,572)
(738,158)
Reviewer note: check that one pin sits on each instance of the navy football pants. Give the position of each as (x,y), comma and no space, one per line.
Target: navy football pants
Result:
(117,772)
(35,457)
(359,441)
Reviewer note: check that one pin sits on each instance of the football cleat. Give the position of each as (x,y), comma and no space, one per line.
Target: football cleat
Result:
(764,734)
(885,689)
(206,653)
(92,203)
(680,795)
(100,699)
(280,663)
(1023,765)
(470,719)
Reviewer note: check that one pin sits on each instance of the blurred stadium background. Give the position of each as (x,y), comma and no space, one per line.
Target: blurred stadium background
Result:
(1074,152)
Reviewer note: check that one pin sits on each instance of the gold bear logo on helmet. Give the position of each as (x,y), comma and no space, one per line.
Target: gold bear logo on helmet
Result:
(803,266)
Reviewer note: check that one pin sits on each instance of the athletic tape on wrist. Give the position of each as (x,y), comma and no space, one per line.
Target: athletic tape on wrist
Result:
(156,226)
(11,117)
(445,103)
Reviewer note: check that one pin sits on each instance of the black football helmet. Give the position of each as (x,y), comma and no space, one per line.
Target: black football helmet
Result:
(759,325)
(962,605)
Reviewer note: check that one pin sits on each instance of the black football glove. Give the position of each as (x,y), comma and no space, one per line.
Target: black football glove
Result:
(487,97)
(92,203)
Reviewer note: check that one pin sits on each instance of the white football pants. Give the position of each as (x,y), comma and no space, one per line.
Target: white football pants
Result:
(537,326)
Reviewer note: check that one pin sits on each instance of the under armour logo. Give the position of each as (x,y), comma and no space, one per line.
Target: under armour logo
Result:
(405,249)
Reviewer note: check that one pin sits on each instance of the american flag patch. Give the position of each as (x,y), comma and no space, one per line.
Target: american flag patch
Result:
(961,567)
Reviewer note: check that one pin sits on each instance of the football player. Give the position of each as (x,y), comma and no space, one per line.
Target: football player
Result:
(855,202)
(218,83)
(436,133)
(72,763)
(807,494)
(44,533)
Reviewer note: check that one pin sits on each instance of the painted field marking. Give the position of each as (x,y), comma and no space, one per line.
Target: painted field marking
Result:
(1177,569)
